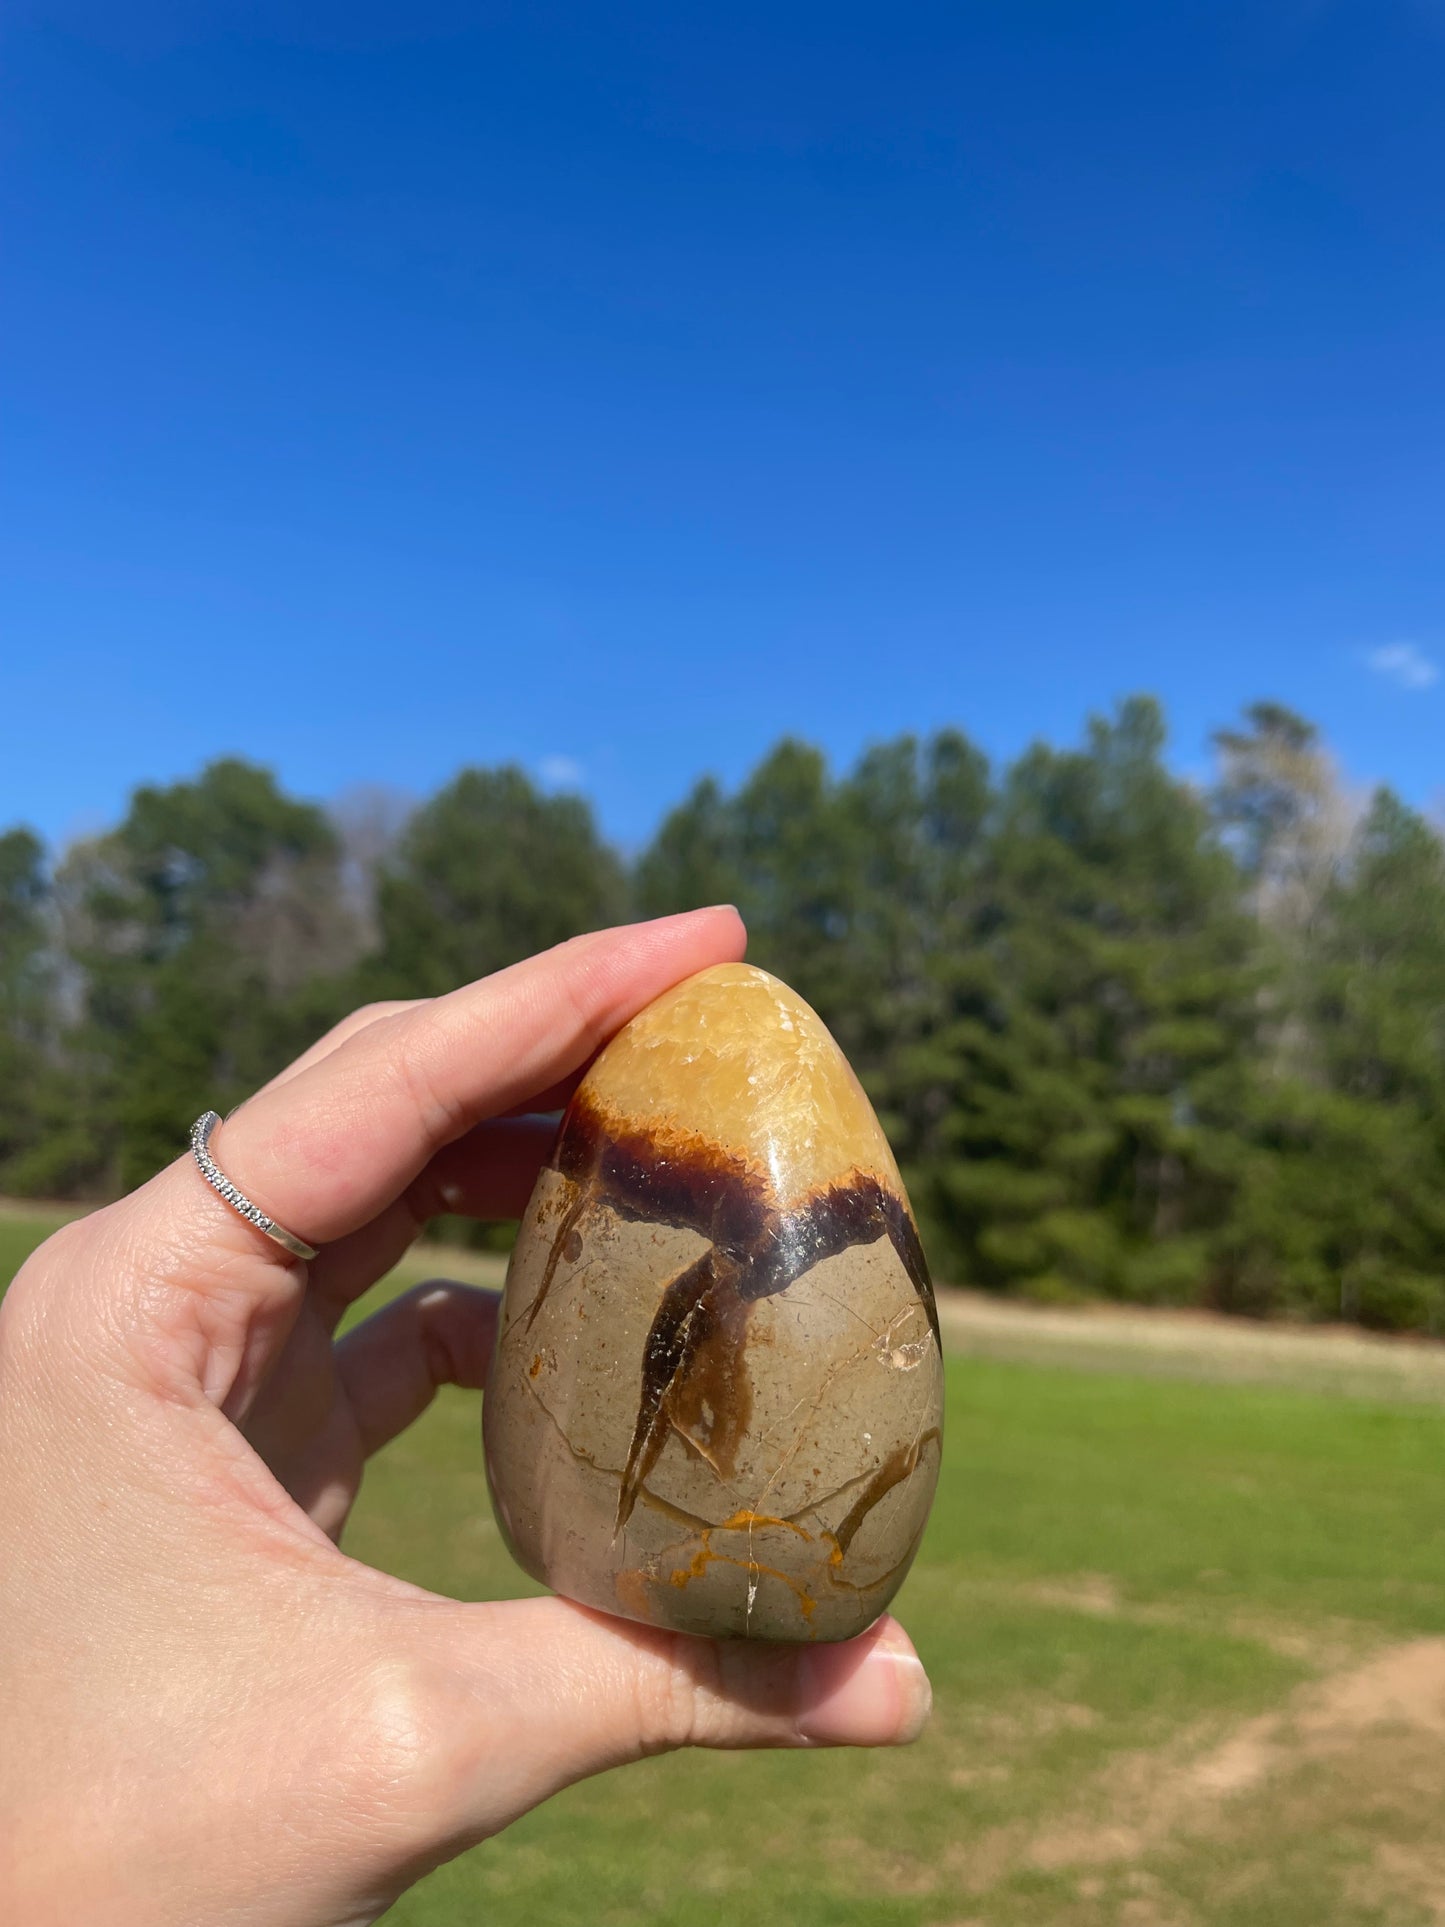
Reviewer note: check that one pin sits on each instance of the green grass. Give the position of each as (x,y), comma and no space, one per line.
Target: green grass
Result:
(21,1230)
(1118,1574)
(1146,1607)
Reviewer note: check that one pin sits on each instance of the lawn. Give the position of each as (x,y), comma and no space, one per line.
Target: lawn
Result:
(1188,1649)
(21,1229)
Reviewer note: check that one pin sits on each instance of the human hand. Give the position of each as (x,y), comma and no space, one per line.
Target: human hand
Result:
(209,1715)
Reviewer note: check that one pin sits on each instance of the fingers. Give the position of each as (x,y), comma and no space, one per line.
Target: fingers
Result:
(560,1693)
(356,1021)
(439,1333)
(331,1150)
(606,1691)
(327,1150)
(489,1173)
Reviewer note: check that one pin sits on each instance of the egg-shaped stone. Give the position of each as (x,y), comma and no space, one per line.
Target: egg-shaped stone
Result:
(716,1403)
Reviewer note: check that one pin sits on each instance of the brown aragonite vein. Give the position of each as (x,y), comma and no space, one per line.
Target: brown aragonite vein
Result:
(838,1583)
(897,1467)
(694,1521)
(719,1153)
(693,1377)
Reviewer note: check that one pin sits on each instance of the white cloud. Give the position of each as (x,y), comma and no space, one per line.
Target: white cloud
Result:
(561,772)
(1404,663)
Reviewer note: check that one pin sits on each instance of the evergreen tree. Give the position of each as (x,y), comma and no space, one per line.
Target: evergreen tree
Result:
(920,816)
(211,936)
(845,886)
(1124,1039)
(489,871)
(1343,1209)
(1098,1012)
(692,861)
(775,850)
(24,988)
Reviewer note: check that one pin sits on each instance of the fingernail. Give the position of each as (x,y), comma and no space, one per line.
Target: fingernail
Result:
(882,1700)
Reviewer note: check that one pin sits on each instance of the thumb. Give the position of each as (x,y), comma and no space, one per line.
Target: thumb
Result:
(544,1692)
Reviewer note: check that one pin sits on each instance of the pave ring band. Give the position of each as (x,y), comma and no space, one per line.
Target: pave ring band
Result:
(200,1150)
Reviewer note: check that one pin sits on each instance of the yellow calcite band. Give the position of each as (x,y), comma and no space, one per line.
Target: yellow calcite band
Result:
(755,1074)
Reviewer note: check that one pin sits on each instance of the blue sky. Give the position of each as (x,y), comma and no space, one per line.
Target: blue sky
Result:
(616,388)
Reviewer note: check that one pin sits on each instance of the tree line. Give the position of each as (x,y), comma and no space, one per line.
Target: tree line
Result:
(1129,1036)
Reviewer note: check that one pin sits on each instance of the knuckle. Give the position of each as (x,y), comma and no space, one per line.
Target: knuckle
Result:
(372,1013)
(679,1695)
(581,989)
(395,1766)
(411,1057)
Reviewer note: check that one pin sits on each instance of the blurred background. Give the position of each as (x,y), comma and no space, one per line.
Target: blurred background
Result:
(965,484)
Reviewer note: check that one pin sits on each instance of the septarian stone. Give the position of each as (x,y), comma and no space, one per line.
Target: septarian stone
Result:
(717,1398)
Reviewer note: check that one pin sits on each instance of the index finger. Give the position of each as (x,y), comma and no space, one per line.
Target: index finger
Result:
(325,1151)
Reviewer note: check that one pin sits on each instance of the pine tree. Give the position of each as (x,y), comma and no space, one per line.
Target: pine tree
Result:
(211,934)
(487,872)
(1098,1008)
(1342,1212)
(24,990)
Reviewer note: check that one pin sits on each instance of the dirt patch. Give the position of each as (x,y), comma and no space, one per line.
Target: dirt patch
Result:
(1329,1645)
(1026,1723)
(1196,1345)
(1243,1760)
(1403,1686)
(1093,1593)
(1414,1873)
(1144,1798)
(1086,1845)
(1142,1910)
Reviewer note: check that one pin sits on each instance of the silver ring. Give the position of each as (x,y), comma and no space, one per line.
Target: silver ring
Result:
(213,1174)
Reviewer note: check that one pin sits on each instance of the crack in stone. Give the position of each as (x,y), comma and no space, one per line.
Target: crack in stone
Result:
(833,1299)
(582,1458)
(844,1365)
(575,1207)
(653,1500)
(695,1377)
(694,1349)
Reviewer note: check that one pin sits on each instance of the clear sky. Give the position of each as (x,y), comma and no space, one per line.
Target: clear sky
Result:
(614,388)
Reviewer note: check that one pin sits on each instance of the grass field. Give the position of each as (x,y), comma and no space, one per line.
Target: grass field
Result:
(1188,1649)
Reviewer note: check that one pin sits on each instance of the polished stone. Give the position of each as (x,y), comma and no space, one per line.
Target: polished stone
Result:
(717,1398)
